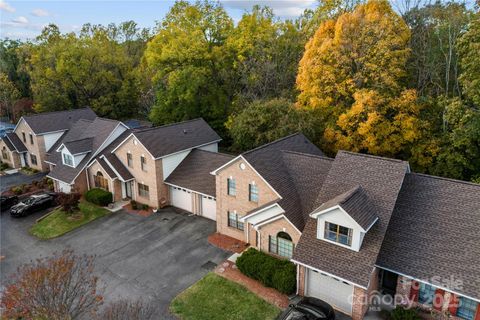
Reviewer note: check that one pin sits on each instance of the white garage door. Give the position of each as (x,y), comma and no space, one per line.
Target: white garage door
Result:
(335,292)
(181,198)
(209,207)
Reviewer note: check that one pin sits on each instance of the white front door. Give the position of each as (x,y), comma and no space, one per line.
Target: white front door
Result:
(181,198)
(335,292)
(209,207)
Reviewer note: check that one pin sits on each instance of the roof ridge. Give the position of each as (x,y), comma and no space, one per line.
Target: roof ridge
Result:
(79,139)
(446,179)
(272,142)
(58,111)
(372,156)
(169,125)
(350,193)
(308,155)
(213,152)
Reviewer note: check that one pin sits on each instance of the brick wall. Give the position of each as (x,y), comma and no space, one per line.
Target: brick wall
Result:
(301,280)
(359,305)
(240,202)
(37,148)
(13,158)
(272,229)
(80,184)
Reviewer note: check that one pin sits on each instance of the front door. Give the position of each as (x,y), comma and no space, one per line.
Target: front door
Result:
(389,282)
(128,189)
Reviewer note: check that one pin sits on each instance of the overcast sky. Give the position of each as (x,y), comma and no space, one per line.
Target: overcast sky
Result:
(25,19)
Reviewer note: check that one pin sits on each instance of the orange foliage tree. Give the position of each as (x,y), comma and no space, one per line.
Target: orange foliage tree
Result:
(59,287)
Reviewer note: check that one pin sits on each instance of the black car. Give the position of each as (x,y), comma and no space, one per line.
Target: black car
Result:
(7,201)
(308,309)
(32,204)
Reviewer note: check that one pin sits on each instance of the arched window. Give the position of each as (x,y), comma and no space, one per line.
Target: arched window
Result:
(281,245)
(100,181)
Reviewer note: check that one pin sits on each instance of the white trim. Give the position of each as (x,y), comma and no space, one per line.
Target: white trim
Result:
(114,170)
(315,215)
(48,132)
(241,157)
(433,285)
(260,211)
(369,227)
(95,160)
(176,186)
(328,274)
(191,148)
(267,221)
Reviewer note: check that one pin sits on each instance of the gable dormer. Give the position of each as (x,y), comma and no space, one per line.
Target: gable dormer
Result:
(345,219)
(73,152)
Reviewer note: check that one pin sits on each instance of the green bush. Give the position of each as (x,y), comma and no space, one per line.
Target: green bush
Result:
(134,204)
(144,206)
(3,166)
(400,313)
(99,197)
(17,190)
(270,271)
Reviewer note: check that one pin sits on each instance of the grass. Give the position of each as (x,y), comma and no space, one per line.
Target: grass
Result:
(59,223)
(214,297)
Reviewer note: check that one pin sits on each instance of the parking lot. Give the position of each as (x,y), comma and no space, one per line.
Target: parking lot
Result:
(153,258)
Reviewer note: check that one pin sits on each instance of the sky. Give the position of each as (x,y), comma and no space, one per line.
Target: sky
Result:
(25,19)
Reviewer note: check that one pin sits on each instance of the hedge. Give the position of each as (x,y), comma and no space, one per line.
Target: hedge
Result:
(270,271)
(99,197)
(400,313)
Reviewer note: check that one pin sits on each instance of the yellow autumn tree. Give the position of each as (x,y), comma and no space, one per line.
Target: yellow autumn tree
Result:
(352,71)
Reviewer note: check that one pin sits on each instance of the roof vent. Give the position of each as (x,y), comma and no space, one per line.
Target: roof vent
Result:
(185,131)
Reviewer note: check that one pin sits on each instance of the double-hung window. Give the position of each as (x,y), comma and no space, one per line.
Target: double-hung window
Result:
(281,245)
(67,160)
(253,192)
(33,159)
(231,187)
(426,294)
(31,138)
(337,233)
(233,221)
(467,308)
(24,137)
(143,191)
(5,153)
(143,163)
(129,160)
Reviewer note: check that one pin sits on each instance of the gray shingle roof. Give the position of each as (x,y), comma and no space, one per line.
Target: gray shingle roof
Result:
(357,204)
(271,163)
(168,139)
(435,231)
(98,129)
(57,120)
(16,142)
(194,171)
(79,146)
(107,168)
(8,143)
(381,179)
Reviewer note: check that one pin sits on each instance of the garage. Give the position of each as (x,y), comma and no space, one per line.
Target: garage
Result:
(181,198)
(209,207)
(335,292)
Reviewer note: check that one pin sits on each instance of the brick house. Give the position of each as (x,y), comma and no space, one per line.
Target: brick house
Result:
(35,135)
(356,224)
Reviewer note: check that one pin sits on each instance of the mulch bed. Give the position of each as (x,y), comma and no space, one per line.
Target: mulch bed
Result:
(143,213)
(227,243)
(229,271)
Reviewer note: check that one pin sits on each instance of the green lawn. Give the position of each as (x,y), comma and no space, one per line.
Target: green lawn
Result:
(58,223)
(214,297)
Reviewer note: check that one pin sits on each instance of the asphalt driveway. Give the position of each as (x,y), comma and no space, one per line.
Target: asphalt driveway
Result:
(10,180)
(153,258)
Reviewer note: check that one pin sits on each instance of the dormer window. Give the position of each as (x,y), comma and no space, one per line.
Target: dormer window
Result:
(67,160)
(338,233)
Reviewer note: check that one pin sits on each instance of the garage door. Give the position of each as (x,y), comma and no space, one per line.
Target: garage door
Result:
(335,292)
(181,198)
(209,207)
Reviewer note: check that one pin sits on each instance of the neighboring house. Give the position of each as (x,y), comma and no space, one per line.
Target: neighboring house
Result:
(35,135)
(138,164)
(355,224)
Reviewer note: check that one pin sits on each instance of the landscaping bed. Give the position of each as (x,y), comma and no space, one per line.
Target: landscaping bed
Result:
(214,297)
(58,222)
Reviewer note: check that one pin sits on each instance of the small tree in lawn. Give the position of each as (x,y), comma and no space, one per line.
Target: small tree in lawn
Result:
(62,286)
(69,201)
(128,310)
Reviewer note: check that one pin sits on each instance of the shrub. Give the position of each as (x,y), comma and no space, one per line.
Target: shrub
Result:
(400,313)
(144,206)
(270,271)
(17,190)
(69,201)
(99,197)
(134,204)
(3,166)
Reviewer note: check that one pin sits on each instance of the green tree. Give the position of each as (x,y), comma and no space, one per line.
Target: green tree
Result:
(189,65)
(12,63)
(93,68)
(261,122)
(469,47)
(8,96)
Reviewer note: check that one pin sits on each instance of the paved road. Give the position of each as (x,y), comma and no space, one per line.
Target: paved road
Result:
(154,258)
(9,180)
